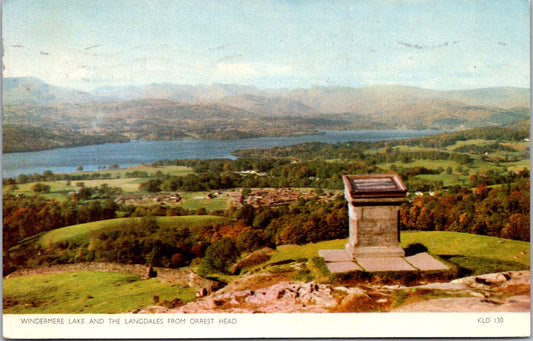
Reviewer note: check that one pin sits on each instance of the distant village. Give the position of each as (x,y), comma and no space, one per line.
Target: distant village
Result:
(258,197)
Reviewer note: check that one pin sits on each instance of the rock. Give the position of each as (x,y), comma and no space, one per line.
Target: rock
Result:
(272,293)
(444,286)
(469,304)
(476,294)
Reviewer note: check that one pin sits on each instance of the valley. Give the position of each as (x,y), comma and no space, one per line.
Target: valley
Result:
(65,117)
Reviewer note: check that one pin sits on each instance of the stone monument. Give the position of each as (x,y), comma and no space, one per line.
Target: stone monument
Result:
(373,205)
(374,234)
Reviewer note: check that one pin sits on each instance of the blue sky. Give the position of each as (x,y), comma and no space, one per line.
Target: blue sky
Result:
(442,44)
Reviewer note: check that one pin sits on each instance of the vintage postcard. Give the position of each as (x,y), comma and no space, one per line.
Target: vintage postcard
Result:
(265,169)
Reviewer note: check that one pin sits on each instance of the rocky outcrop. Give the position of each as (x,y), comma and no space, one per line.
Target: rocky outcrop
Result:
(283,297)
(497,292)
(269,293)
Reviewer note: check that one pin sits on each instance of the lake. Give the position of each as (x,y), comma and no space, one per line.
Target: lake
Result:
(65,160)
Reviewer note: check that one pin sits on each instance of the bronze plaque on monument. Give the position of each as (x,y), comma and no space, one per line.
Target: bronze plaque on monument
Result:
(373,204)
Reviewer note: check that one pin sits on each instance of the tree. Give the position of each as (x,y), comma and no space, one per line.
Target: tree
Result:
(152,185)
(219,256)
(40,188)
(84,193)
(80,169)
(250,240)
(517,227)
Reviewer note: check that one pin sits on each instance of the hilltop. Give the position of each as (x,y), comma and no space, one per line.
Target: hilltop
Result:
(289,279)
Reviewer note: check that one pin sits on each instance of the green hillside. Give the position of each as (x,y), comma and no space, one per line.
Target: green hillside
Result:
(81,233)
(93,293)
(100,292)
(476,254)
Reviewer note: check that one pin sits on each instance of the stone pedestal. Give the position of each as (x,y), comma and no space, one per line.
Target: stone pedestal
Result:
(374,236)
(373,205)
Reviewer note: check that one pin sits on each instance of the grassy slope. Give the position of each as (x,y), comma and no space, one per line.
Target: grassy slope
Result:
(86,292)
(98,292)
(82,232)
(478,254)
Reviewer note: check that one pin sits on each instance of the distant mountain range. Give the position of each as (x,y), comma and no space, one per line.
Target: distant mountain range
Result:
(228,111)
(368,100)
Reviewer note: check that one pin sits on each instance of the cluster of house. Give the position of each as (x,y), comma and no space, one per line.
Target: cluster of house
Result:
(260,197)
(158,198)
(268,197)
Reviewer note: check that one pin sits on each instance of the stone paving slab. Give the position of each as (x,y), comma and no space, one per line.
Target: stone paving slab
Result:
(342,267)
(384,264)
(335,255)
(424,261)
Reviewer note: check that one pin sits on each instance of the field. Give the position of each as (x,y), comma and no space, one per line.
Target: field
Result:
(476,254)
(120,173)
(196,200)
(82,233)
(117,179)
(103,292)
(87,293)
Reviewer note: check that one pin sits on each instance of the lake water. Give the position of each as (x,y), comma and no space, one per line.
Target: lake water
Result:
(133,153)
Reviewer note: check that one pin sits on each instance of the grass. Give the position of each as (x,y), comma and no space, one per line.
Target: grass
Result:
(196,200)
(476,254)
(478,142)
(447,179)
(172,170)
(86,292)
(518,166)
(117,179)
(81,233)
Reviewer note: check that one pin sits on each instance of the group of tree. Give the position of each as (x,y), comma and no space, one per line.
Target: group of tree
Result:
(501,211)
(25,216)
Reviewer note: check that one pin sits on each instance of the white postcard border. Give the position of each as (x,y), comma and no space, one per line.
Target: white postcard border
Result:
(297,325)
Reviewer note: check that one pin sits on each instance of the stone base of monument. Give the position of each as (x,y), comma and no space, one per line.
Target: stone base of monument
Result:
(342,261)
(374,251)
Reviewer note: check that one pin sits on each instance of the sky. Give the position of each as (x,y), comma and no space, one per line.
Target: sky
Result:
(440,44)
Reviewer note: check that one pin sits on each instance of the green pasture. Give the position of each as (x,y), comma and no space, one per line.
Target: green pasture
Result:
(429,164)
(478,142)
(120,173)
(196,200)
(486,251)
(87,292)
(117,179)
(81,233)
(447,179)
(518,166)
(521,146)
(475,253)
